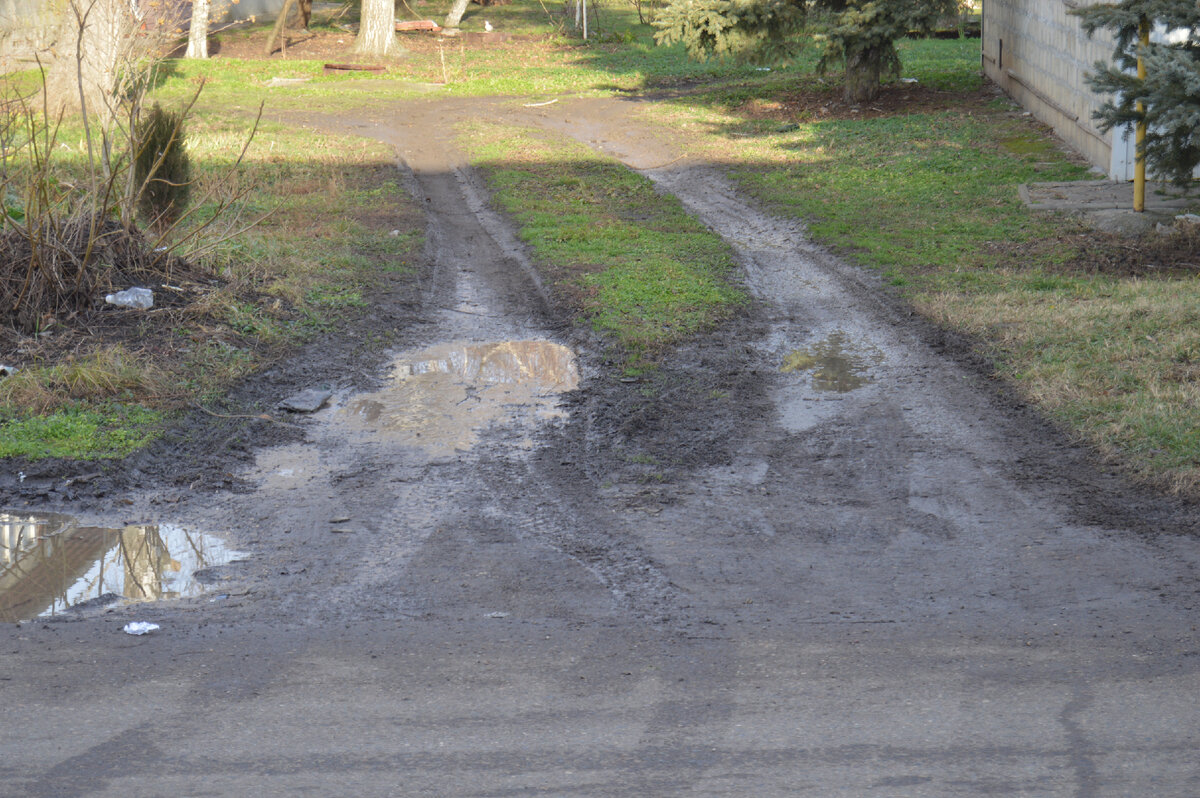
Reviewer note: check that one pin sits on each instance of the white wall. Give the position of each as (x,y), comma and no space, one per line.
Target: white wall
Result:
(1039,54)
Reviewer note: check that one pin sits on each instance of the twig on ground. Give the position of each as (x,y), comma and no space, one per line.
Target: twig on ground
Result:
(250,417)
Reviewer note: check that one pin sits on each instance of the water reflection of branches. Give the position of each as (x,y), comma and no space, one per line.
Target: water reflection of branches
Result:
(145,557)
(48,563)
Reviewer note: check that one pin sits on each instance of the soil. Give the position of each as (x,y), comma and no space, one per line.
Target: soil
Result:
(723,579)
(828,103)
(322,44)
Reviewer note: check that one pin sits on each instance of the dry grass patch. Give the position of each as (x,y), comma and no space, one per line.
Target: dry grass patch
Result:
(108,372)
(1118,360)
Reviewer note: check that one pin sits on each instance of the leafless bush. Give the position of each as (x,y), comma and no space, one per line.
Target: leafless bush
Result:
(68,232)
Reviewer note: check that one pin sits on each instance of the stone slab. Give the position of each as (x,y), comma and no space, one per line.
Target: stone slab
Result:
(307,401)
(1098,195)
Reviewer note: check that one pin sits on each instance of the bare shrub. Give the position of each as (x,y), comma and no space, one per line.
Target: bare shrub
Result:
(69,233)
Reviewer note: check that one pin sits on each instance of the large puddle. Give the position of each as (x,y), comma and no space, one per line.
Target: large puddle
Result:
(442,397)
(834,363)
(48,563)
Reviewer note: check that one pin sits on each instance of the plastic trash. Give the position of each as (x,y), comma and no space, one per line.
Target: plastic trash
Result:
(140,298)
(7,371)
(139,628)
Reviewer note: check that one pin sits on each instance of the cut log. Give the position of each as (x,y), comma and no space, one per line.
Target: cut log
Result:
(418,25)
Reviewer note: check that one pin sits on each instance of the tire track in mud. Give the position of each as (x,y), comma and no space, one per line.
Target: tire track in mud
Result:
(913,453)
(484,288)
(503,496)
(442,177)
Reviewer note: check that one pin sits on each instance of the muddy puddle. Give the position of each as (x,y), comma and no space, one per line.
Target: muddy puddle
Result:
(442,397)
(834,364)
(49,563)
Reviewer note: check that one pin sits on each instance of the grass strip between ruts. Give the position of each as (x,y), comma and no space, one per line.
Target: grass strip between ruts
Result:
(629,259)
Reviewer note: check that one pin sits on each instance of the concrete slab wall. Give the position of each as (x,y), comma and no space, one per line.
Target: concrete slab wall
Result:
(1039,55)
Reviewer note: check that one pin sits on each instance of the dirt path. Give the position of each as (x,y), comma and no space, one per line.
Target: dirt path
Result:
(502,571)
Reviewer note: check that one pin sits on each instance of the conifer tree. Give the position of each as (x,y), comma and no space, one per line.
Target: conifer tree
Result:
(1171,90)
(860,34)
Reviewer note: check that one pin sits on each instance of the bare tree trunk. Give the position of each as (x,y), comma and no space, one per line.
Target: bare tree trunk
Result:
(456,13)
(279,32)
(94,45)
(198,30)
(377,29)
(103,48)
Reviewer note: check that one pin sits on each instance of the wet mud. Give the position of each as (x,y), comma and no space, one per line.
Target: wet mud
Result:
(819,550)
(440,398)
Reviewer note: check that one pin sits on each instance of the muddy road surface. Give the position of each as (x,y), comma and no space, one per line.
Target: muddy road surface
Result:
(821,553)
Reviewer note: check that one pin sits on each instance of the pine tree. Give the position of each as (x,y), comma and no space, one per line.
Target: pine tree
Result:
(1171,90)
(860,34)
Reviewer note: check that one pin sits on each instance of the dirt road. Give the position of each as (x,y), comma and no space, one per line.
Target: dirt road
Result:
(820,554)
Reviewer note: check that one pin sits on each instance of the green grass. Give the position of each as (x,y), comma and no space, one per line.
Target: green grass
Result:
(636,266)
(942,64)
(83,432)
(934,187)
(543,57)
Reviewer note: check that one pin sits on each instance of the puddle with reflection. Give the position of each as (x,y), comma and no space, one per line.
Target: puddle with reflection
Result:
(48,563)
(835,364)
(441,397)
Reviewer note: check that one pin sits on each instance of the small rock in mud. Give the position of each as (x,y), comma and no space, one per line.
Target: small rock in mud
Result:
(307,401)
(103,600)
(209,576)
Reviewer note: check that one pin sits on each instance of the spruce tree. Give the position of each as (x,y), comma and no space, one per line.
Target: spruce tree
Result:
(1171,90)
(161,167)
(860,34)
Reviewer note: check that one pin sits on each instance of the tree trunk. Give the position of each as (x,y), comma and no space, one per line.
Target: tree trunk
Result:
(96,45)
(456,13)
(279,32)
(198,30)
(377,29)
(863,69)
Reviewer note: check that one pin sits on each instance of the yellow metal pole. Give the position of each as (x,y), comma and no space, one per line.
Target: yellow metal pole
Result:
(1139,166)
